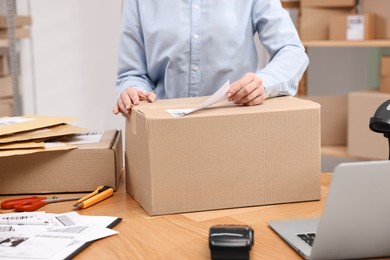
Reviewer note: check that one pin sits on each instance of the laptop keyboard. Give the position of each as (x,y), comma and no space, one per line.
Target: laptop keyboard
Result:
(308,238)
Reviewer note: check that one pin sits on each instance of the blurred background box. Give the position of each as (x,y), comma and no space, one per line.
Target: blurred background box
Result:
(362,142)
(381,8)
(6,90)
(328,3)
(334,116)
(6,107)
(384,86)
(3,65)
(385,66)
(352,27)
(315,22)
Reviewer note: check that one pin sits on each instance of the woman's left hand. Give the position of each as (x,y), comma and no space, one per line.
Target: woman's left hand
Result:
(248,90)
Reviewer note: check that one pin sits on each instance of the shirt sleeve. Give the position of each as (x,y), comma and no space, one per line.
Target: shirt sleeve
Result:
(132,68)
(288,59)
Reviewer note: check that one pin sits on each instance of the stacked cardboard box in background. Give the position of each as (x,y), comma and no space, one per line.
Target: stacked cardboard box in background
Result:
(22,24)
(6,90)
(381,9)
(315,16)
(353,27)
(385,75)
(362,142)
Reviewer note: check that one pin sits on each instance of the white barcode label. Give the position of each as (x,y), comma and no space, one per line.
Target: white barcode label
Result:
(86,138)
(355,27)
(179,112)
(65,220)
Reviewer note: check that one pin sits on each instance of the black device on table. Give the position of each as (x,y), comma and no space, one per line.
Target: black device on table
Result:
(230,241)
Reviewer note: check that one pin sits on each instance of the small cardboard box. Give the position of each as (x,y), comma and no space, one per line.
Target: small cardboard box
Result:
(355,27)
(79,170)
(334,118)
(6,107)
(385,66)
(384,86)
(362,142)
(328,3)
(6,90)
(3,65)
(315,22)
(381,9)
(21,20)
(225,156)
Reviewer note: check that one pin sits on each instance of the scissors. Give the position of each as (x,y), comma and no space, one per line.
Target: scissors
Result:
(32,203)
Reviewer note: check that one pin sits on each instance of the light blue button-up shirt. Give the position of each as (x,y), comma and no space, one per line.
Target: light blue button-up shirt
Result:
(185,48)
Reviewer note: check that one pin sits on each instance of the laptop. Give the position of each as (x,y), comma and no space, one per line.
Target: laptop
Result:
(355,222)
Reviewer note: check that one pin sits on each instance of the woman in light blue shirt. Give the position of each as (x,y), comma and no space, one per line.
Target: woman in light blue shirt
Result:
(187,48)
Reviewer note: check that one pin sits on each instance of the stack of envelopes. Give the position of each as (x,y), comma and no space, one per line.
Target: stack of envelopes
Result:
(33,133)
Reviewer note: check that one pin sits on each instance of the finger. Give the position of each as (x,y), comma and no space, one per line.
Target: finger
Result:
(239,84)
(134,97)
(122,106)
(115,109)
(257,91)
(151,97)
(243,95)
(257,101)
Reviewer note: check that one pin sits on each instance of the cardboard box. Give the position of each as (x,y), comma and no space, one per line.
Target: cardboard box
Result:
(355,27)
(328,3)
(6,107)
(362,142)
(19,33)
(79,170)
(384,86)
(3,66)
(226,156)
(315,22)
(6,90)
(381,9)
(334,118)
(385,66)
(19,21)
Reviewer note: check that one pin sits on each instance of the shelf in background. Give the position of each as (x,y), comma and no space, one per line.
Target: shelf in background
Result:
(328,43)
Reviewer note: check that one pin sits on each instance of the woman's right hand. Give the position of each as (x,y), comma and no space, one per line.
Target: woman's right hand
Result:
(131,97)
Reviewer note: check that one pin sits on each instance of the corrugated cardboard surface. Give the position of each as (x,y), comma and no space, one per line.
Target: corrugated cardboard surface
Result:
(79,170)
(315,22)
(334,119)
(381,9)
(328,3)
(362,142)
(222,157)
(385,66)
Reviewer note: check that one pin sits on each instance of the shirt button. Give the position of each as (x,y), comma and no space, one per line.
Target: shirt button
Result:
(196,7)
(196,36)
(195,68)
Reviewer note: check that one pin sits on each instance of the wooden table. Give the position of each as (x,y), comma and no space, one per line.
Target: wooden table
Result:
(185,236)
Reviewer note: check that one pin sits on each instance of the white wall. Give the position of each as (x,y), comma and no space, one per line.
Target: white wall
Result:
(74,51)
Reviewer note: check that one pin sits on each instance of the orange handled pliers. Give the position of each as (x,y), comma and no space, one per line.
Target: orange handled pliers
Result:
(32,203)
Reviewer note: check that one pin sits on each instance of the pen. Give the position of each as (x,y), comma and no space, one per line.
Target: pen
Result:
(101,193)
